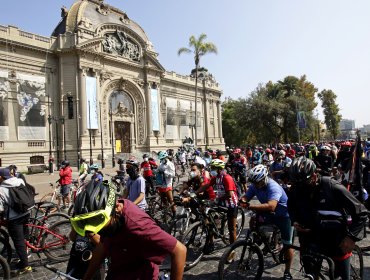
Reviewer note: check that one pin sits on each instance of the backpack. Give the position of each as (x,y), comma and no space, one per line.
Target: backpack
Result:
(22,198)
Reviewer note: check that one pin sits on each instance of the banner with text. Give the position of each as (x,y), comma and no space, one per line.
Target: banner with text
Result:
(91,103)
(155,110)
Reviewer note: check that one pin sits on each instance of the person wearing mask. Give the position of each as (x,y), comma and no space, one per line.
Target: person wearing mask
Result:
(15,221)
(326,216)
(165,175)
(324,161)
(277,167)
(239,166)
(96,175)
(147,167)
(290,153)
(14,172)
(220,156)
(273,207)
(135,186)
(133,242)
(65,181)
(83,171)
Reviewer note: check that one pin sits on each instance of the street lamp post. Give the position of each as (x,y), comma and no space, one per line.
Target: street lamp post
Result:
(101,138)
(91,159)
(62,120)
(50,161)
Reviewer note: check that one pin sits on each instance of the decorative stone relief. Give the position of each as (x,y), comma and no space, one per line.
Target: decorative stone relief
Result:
(119,43)
(125,19)
(86,23)
(103,9)
(134,92)
(104,76)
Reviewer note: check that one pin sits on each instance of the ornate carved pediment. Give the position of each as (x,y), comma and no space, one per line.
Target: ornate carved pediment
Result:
(104,76)
(92,45)
(118,43)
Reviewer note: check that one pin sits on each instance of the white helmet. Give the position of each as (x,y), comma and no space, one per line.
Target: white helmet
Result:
(282,153)
(258,173)
(325,148)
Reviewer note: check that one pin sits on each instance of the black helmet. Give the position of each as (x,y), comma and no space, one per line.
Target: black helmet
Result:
(301,169)
(91,198)
(145,155)
(65,162)
(133,163)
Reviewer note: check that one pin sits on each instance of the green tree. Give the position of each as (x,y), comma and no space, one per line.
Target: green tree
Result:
(199,47)
(331,111)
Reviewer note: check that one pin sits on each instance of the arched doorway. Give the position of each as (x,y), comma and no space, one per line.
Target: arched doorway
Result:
(122,110)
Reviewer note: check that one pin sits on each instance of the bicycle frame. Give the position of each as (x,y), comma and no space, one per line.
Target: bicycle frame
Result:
(43,230)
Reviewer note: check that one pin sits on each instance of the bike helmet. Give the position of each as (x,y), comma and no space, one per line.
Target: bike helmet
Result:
(325,148)
(93,207)
(145,156)
(196,153)
(282,153)
(301,169)
(258,173)
(346,144)
(65,163)
(217,163)
(268,151)
(162,155)
(94,166)
(134,163)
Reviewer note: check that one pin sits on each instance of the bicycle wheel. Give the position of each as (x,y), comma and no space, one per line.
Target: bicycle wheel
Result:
(5,249)
(4,268)
(49,198)
(247,262)
(276,245)
(357,264)
(55,243)
(240,221)
(56,217)
(194,239)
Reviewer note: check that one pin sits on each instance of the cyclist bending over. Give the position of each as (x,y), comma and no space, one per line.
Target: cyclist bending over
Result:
(273,207)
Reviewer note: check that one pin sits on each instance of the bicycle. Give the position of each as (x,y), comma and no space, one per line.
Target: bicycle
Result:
(59,274)
(212,221)
(248,256)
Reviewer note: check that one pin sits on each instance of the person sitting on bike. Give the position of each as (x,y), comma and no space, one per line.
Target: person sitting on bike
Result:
(147,167)
(182,160)
(324,161)
(135,186)
(83,171)
(65,180)
(290,153)
(198,178)
(133,242)
(15,221)
(326,216)
(207,157)
(96,175)
(267,157)
(165,175)
(239,166)
(220,156)
(277,167)
(273,208)
(226,196)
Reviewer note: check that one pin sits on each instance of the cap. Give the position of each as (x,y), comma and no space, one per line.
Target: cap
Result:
(5,173)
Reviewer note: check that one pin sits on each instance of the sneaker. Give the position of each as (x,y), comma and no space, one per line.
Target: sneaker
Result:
(209,249)
(21,271)
(287,276)
(231,257)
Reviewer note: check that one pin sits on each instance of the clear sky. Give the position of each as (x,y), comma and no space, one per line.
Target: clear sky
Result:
(258,41)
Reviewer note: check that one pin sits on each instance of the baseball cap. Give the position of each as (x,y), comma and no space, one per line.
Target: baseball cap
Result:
(5,173)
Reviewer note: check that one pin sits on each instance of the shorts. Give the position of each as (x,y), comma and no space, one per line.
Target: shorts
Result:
(64,189)
(164,189)
(232,212)
(285,227)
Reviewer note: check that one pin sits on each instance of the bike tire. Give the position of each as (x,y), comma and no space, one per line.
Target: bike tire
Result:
(71,210)
(357,264)
(6,250)
(178,226)
(194,239)
(60,252)
(246,255)
(4,269)
(276,246)
(48,198)
(56,217)
(240,221)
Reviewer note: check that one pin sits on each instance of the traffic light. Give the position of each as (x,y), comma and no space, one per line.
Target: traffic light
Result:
(70,107)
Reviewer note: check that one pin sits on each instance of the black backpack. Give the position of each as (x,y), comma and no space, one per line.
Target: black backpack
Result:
(22,198)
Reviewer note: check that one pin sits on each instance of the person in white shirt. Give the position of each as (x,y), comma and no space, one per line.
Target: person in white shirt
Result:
(165,175)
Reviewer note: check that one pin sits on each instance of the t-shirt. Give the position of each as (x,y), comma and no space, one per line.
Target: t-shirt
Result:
(272,191)
(222,184)
(134,188)
(145,165)
(138,248)
(276,166)
(197,183)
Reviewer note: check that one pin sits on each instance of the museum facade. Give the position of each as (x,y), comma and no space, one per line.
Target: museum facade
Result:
(96,86)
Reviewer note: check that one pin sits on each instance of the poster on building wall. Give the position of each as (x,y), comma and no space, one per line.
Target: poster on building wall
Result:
(171,119)
(4,89)
(155,110)
(91,103)
(31,107)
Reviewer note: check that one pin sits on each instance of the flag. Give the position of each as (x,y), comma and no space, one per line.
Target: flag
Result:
(301,119)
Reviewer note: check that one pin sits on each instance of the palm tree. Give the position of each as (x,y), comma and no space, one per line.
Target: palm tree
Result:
(199,48)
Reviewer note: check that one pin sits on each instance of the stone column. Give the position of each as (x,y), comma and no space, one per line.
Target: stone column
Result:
(132,136)
(83,101)
(219,120)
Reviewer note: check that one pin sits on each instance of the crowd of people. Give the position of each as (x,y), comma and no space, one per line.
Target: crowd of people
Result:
(302,188)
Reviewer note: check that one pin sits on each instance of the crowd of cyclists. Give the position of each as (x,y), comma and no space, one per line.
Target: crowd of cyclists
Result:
(300,188)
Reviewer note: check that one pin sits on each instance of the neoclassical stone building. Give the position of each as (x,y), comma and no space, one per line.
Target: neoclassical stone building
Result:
(99,75)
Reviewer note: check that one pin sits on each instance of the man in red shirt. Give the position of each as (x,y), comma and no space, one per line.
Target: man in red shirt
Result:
(147,170)
(198,179)
(290,153)
(65,181)
(226,196)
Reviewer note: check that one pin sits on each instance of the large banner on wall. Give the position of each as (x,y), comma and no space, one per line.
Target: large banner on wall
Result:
(155,110)
(4,89)
(91,103)
(31,100)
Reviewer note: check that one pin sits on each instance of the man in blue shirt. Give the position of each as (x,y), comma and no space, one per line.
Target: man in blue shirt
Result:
(273,207)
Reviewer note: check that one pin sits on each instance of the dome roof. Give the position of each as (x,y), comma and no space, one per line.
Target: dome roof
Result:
(95,13)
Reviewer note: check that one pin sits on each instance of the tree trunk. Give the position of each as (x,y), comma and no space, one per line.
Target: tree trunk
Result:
(196,107)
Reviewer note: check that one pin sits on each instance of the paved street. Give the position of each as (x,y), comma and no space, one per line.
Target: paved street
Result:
(206,269)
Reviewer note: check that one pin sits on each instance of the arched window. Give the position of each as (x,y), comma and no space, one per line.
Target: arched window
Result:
(121,100)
